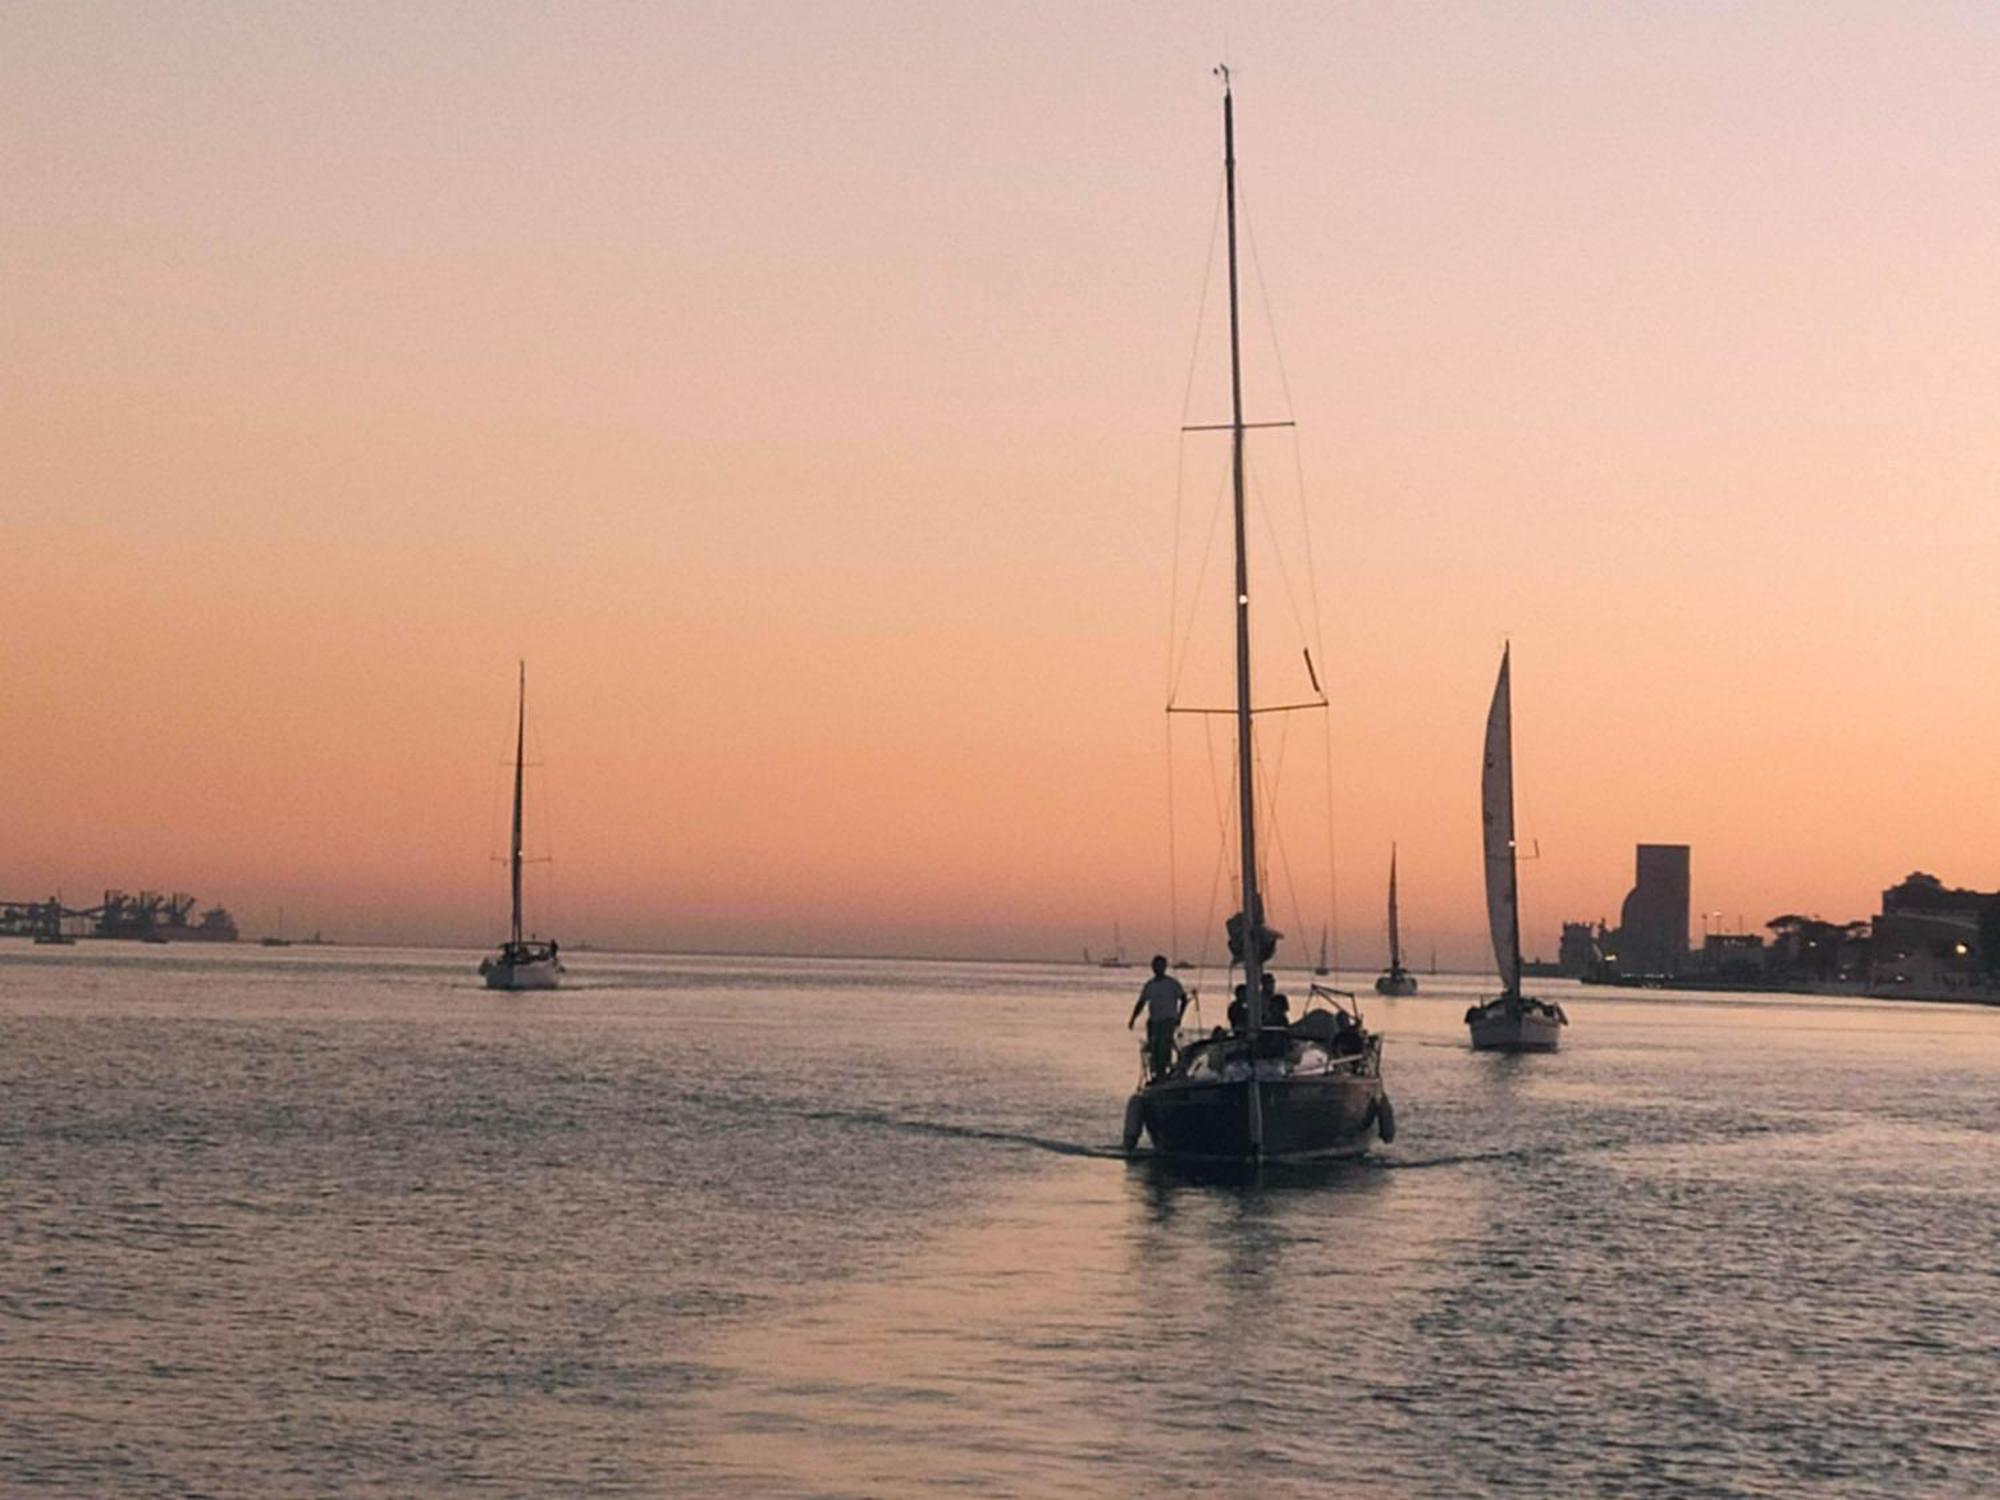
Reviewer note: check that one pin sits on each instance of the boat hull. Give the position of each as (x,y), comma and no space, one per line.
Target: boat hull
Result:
(1311,1117)
(535,974)
(1395,984)
(1519,1026)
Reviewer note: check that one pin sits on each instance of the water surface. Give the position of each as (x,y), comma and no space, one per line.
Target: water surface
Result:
(317,1221)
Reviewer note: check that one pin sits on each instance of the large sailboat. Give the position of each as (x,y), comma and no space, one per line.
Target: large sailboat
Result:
(523,963)
(1398,980)
(1264,1089)
(1510,1021)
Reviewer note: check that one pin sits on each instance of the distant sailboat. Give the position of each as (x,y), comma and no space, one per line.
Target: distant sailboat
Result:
(1115,959)
(1398,980)
(1321,968)
(522,963)
(1511,1021)
(277,939)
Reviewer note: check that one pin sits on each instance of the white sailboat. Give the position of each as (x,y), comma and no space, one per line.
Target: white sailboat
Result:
(523,963)
(1511,1021)
(1398,980)
(1265,1089)
(1116,958)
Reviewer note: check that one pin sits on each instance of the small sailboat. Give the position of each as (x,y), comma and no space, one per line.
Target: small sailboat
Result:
(1398,980)
(1511,1021)
(278,938)
(1321,967)
(1115,959)
(1263,1090)
(522,963)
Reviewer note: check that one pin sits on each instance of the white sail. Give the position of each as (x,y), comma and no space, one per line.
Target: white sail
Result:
(1496,810)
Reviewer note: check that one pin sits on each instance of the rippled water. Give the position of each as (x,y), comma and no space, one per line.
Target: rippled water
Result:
(329,1221)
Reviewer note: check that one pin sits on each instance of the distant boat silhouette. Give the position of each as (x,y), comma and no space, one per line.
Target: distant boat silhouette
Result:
(1398,980)
(1511,1021)
(277,939)
(522,963)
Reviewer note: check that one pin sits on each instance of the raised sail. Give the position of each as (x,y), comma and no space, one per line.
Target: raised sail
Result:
(1496,811)
(1511,1021)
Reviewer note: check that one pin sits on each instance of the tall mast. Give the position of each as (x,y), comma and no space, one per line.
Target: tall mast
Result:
(514,844)
(1246,799)
(1395,935)
(1513,866)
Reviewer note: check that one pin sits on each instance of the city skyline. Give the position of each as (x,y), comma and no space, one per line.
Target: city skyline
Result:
(798,396)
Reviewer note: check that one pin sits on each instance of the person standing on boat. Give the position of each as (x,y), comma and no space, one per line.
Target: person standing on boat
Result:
(1163,1000)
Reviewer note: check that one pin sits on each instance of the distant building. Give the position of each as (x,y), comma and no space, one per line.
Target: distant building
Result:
(1733,955)
(1582,951)
(1928,929)
(1653,924)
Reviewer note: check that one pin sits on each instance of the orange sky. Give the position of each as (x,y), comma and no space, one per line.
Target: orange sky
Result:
(796,389)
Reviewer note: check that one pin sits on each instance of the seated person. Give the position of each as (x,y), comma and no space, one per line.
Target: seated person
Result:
(1277,1007)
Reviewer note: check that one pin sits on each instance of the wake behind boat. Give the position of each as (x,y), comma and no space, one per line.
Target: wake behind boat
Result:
(522,963)
(1511,1021)
(1264,1088)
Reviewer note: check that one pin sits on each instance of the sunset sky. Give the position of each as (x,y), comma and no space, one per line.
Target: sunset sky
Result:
(796,389)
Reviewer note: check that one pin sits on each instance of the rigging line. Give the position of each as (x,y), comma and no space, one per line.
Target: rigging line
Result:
(1201,312)
(1200,583)
(1180,456)
(1225,842)
(1277,551)
(1173,863)
(1208,924)
(1291,410)
(1174,574)
(1220,795)
(1271,777)
(1332,898)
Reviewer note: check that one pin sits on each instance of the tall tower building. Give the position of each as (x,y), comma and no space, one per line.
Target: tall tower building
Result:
(1653,927)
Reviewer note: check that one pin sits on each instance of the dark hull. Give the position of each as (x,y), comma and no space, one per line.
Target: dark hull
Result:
(1315,1116)
(1519,1026)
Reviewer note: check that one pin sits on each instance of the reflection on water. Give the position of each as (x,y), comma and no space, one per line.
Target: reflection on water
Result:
(342,1222)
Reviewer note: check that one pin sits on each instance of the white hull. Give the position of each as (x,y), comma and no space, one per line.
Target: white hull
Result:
(1520,1027)
(540,974)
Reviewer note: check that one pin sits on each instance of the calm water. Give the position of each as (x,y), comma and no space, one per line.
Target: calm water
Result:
(336,1221)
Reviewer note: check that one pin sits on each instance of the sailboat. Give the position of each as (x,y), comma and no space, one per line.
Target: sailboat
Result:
(1511,1021)
(277,939)
(1398,980)
(522,963)
(1321,967)
(1263,1090)
(1115,959)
